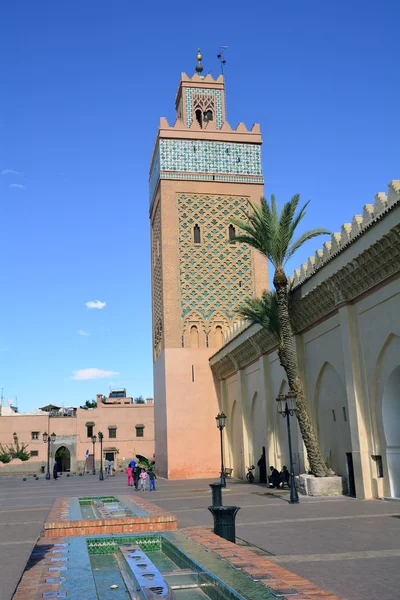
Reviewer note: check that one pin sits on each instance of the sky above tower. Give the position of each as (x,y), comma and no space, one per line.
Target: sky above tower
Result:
(83,85)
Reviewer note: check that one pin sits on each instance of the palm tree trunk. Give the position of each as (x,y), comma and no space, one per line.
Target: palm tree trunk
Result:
(290,364)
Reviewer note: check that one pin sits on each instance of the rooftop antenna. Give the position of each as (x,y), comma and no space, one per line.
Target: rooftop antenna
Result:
(220,57)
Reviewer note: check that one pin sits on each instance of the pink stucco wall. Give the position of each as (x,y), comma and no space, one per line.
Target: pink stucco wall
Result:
(72,431)
(187,442)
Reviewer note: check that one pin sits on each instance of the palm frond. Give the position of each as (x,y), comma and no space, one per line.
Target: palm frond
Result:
(262,311)
(307,235)
(271,233)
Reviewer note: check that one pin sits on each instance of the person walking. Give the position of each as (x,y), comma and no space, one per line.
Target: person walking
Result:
(132,464)
(152,480)
(143,479)
(107,467)
(136,476)
(112,468)
(128,471)
(55,470)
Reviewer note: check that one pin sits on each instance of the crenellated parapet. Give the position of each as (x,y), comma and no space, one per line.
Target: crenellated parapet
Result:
(349,233)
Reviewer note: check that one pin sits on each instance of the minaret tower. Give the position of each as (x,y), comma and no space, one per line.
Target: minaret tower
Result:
(202,173)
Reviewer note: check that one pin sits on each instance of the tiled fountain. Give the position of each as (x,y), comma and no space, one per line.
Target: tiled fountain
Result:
(106,514)
(88,552)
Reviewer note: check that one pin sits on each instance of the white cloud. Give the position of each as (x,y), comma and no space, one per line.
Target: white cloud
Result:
(82,332)
(85,374)
(19,186)
(9,172)
(95,304)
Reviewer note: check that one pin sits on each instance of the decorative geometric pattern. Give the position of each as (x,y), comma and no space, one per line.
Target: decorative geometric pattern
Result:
(108,545)
(157,279)
(193,156)
(155,173)
(189,105)
(215,277)
(192,160)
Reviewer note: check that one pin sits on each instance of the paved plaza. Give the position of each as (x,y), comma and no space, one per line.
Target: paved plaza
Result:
(346,546)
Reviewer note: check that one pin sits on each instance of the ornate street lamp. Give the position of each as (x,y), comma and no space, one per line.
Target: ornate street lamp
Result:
(101,475)
(94,439)
(47,440)
(221,419)
(287,408)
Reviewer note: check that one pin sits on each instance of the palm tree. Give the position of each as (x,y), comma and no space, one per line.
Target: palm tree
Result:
(272,234)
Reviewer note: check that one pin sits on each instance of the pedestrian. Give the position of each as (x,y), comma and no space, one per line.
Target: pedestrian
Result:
(112,468)
(55,470)
(274,478)
(128,471)
(107,467)
(285,476)
(136,476)
(143,479)
(152,479)
(262,466)
(132,464)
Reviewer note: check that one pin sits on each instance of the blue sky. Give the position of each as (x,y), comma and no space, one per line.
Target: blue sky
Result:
(83,85)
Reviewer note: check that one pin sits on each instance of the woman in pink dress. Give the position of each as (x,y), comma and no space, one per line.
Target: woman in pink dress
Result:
(128,471)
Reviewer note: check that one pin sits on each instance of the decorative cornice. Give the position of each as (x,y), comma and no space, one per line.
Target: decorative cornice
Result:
(350,232)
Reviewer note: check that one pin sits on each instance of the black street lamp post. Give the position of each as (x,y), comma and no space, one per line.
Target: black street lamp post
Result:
(221,418)
(101,475)
(287,408)
(47,440)
(94,439)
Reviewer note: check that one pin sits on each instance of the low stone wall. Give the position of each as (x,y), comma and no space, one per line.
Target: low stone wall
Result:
(20,467)
(308,485)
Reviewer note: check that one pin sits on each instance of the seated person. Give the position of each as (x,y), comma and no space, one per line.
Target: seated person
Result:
(285,475)
(274,478)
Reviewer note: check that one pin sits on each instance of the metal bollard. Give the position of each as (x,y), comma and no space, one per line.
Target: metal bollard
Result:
(224,521)
(216,490)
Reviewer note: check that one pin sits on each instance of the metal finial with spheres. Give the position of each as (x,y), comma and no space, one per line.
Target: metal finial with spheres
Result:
(199,66)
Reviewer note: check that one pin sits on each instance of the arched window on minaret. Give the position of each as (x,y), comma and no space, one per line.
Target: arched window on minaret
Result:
(196,234)
(232,232)
(199,117)
(219,338)
(194,337)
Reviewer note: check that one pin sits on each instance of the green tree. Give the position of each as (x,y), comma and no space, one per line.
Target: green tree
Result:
(91,404)
(139,400)
(271,233)
(5,456)
(19,451)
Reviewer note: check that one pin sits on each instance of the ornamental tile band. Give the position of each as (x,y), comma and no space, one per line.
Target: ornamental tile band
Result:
(206,161)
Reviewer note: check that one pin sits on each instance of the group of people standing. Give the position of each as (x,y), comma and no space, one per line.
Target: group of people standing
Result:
(138,476)
(109,468)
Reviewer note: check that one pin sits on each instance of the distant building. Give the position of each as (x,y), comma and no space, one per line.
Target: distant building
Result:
(128,428)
